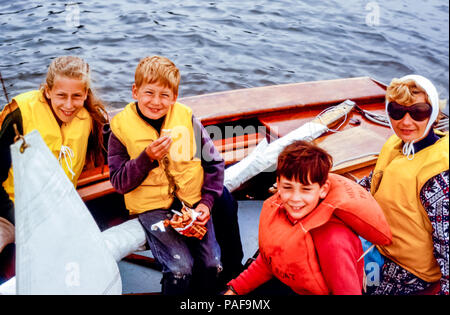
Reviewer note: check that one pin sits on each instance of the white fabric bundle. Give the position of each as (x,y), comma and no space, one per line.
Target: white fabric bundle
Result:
(264,157)
(125,239)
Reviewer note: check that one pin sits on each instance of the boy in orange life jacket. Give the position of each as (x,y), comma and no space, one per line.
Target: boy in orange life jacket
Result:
(302,241)
(157,173)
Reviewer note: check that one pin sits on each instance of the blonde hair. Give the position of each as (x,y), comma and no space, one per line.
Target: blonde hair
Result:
(157,69)
(402,91)
(76,68)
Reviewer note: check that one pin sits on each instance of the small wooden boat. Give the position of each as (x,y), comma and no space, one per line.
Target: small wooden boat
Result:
(239,120)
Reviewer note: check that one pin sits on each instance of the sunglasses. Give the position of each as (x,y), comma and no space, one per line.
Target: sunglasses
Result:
(418,111)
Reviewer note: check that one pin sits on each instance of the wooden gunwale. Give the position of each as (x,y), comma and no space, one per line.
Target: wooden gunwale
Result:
(227,106)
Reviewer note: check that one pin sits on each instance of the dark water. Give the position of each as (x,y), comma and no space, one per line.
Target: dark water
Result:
(223,45)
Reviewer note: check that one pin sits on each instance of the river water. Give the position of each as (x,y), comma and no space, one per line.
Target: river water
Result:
(227,44)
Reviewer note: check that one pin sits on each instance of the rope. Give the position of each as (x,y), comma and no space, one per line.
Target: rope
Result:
(332,108)
(172,184)
(67,152)
(442,125)
(408,150)
(376,118)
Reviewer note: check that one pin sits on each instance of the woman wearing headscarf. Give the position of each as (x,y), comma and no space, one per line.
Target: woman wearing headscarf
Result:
(410,182)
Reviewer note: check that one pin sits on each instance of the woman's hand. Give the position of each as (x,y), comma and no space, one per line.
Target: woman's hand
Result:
(158,148)
(205,214)
(6,233)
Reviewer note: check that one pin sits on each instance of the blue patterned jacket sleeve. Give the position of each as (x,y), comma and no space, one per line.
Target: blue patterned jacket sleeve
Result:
(434,198)
(366,181)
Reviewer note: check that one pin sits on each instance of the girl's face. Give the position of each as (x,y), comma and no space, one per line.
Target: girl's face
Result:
(67,97)
(299,199)
(407,128)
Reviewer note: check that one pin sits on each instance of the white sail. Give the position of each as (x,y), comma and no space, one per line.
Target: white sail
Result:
(125,238)
(59,247)
(121,240)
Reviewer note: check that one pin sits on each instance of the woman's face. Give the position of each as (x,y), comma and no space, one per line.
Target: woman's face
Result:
(407,128)
(67,97)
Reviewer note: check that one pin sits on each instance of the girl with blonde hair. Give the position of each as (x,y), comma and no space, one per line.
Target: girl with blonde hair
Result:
(68,116)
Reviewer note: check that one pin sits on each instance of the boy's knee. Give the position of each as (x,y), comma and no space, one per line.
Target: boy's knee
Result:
(180,268)
(181,274)
(214,265)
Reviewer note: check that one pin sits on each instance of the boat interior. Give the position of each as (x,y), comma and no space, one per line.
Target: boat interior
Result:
(237,122)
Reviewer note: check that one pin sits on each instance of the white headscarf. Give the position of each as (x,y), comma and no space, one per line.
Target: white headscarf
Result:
(430,90)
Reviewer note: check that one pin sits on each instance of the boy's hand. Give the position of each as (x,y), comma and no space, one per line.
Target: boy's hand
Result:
(6,233)
(158,148)
(205,214)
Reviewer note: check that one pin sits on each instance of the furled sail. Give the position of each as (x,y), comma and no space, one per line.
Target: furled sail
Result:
(59,247)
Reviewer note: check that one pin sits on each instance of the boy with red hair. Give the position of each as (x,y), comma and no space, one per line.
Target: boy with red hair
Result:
(308,232)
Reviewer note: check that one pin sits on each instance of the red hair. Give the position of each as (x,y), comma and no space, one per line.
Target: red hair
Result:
(304,162)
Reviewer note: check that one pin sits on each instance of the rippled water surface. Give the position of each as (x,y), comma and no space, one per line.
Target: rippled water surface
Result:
(223,45)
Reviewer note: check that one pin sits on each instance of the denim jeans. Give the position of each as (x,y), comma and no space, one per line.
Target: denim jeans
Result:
(178,254)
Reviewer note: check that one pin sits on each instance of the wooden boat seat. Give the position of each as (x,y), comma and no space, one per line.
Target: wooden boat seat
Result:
(236,148)
(96,190)
(94,183)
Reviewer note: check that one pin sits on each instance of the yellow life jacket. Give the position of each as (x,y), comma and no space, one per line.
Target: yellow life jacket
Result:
(181,164)
(37,114)
(396,185)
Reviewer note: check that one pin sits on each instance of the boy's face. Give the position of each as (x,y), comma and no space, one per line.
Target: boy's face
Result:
(154,99)
(298,199)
